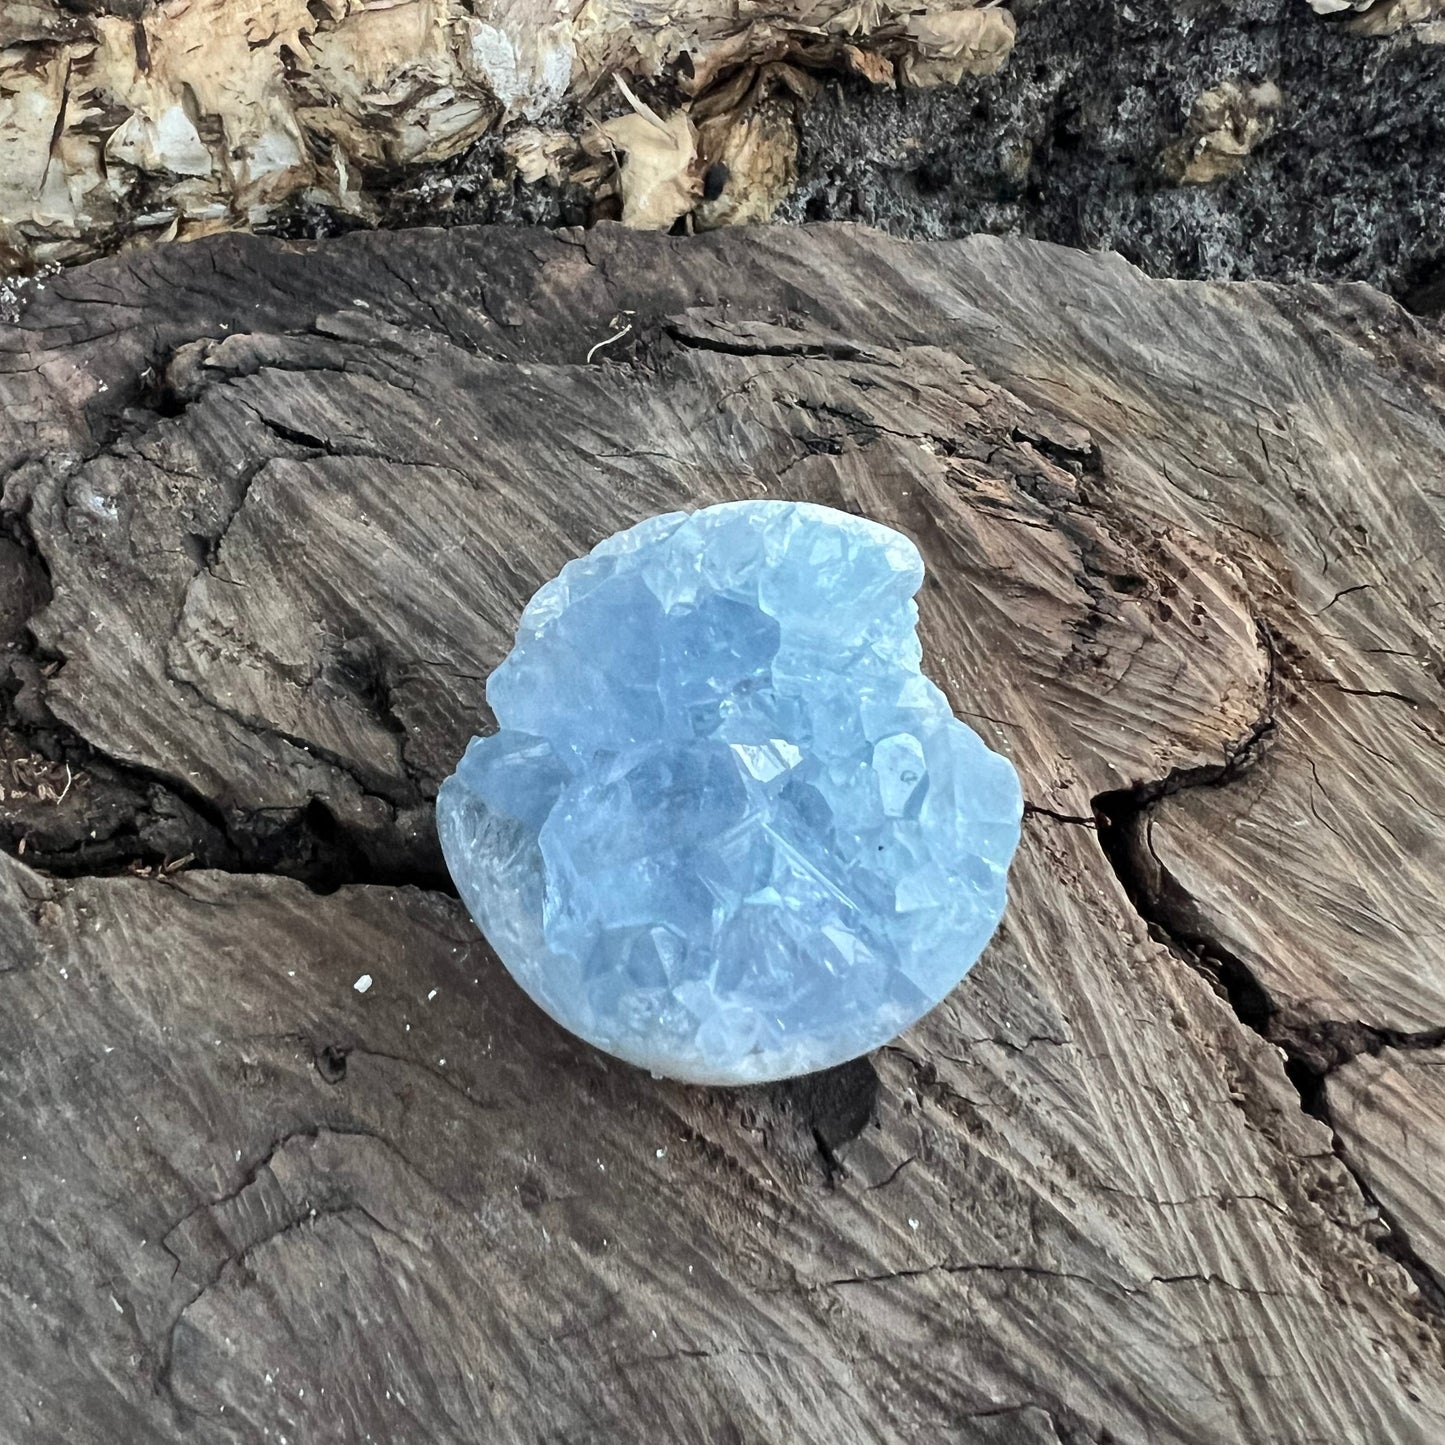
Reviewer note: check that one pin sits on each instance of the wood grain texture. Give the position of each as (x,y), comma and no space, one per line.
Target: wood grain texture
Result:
(1322,477)
(278,509)
(1389,1112)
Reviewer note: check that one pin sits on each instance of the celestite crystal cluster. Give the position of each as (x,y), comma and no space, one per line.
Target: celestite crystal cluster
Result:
(728,831)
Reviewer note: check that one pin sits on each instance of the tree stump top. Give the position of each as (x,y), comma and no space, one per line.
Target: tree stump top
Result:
(1159,1170)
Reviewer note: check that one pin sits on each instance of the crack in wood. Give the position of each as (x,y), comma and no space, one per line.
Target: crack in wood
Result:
(1312,1051)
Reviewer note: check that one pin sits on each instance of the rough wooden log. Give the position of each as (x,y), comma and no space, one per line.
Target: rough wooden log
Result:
(274,510)
(146,119)
(1209,138)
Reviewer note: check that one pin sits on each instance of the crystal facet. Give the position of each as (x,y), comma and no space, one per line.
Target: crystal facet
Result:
(728,831)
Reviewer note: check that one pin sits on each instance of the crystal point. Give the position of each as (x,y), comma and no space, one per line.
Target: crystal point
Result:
(727,830)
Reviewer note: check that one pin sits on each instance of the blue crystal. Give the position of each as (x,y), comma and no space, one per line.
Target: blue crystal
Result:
(728,831)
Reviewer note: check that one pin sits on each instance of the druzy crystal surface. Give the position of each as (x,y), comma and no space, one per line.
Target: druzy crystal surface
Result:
(728,831)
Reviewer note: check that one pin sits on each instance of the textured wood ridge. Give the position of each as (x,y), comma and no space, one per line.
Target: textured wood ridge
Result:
(1389,1109)
(271,515)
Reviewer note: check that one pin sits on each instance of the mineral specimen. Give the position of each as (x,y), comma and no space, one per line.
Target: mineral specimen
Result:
(728,830)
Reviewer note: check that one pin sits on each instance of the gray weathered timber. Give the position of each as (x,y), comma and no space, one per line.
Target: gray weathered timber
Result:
(271,514)
(1389,1109)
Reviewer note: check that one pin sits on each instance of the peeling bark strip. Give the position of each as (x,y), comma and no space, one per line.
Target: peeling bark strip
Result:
(1388,17)
(168,118)
(273,511)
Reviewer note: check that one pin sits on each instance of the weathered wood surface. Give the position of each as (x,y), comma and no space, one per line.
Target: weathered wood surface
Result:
(273,512)
(1389,1111)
